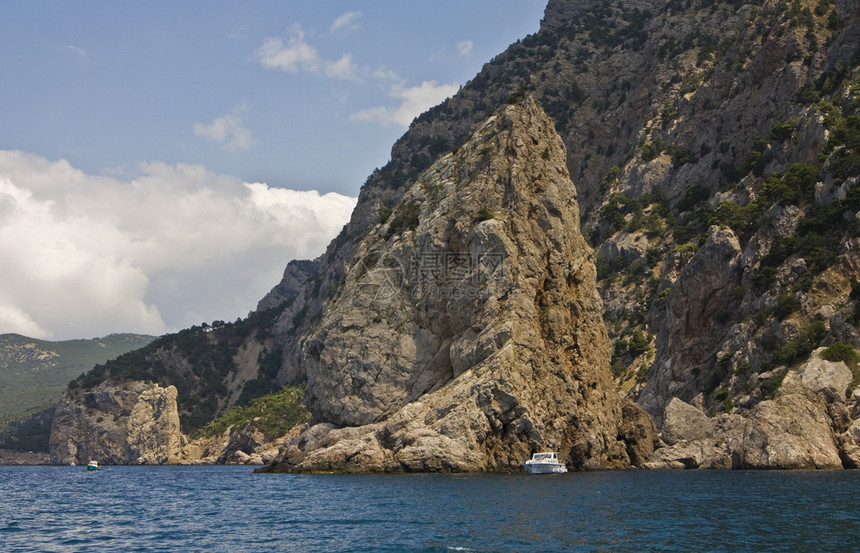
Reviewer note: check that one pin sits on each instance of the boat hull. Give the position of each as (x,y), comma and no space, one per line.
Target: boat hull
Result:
(545,468)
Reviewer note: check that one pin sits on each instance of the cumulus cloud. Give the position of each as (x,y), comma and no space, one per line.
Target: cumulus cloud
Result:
(297,55)
(414,101)
(345,21)
(86,255)
(464,47)
(227,131)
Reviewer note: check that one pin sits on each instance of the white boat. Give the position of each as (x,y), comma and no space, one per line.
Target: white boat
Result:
(545,462)
(94,465)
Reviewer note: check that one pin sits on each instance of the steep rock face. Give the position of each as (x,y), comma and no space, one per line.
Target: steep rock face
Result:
(792,431)
(135,423)
(809,424)
(153,428)
(688,337)
(676,117)
(297,273)
(468,333)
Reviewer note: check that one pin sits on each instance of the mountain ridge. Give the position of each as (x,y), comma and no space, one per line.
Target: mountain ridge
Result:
(34,373)
(714,148)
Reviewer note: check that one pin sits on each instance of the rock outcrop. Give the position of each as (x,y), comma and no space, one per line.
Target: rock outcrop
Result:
(135,423)
(809,424)
(468,330)
(689,334)
(297,273)
(9,457)
(452,324)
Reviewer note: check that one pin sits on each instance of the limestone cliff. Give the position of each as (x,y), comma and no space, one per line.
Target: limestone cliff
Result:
(297,273)
(136,423)
(715,153)
(467,332)
(715,134)
(808,424)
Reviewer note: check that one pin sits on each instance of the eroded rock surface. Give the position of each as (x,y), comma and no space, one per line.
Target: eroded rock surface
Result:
(809,424)
(135,423)
(468,332)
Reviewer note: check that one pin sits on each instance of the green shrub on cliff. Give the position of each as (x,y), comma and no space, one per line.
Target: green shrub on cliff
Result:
(405,218)
(273,414)
(840,351)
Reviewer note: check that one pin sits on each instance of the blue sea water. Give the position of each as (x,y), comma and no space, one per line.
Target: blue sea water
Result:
(231,509)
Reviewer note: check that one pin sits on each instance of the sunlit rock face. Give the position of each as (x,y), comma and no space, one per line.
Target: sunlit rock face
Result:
(467,332)
(131,424)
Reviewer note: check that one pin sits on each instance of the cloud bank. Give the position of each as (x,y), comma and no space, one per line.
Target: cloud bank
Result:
(86,255)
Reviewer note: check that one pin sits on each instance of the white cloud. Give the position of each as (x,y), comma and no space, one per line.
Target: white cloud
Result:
(345,21)
(342,69)
(86,255)
(464,47)
(415,100)
(79,52)
(297,55)
(227,131)
(387,74)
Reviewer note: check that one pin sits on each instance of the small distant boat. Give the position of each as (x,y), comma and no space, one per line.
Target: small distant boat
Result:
(94,465)
(545,462)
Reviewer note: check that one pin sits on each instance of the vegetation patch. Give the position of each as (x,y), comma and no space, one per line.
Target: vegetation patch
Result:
(483,214)
(272,414)
(197,360)
(771,384)
(405,217)
(801,347)
(840,351)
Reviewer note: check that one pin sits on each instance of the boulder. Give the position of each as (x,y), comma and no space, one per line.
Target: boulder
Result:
(792,431)
(831,379)
(683,422)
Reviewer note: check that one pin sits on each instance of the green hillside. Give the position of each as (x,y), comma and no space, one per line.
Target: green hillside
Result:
(34,373)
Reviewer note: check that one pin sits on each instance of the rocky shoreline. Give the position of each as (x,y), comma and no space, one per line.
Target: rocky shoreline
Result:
(809,424)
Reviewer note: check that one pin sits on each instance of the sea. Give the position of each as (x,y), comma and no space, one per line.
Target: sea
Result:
(232,509)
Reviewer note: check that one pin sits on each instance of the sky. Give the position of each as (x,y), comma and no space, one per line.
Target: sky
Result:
(162,161)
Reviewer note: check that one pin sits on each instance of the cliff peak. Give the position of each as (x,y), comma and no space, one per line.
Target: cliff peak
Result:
(468,331)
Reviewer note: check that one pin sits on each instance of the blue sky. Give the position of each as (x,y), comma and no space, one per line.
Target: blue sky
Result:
(188,150)
(106,85)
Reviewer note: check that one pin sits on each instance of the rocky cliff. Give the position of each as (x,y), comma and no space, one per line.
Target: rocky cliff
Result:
(297,273)
(145,406)
(132,424)
(34,374)
(809,424)
(137,423)
(714,150)
(468,333)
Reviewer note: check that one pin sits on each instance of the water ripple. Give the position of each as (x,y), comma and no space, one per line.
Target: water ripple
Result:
(215,509)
